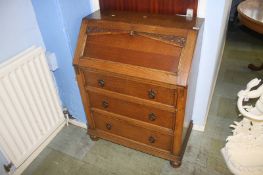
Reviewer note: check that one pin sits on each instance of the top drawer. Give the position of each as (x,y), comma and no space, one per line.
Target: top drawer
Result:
(129,87)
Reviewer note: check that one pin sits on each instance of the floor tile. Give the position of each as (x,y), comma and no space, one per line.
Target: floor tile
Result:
(227,108)
(37,162)
(240,78)
(56,163)
(122,160)
(72,141)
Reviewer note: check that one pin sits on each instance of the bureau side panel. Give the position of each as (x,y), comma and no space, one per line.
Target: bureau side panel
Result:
(179,122)
(84,97)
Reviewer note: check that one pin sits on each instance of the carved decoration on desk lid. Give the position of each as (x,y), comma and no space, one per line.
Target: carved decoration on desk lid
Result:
(243,151)
(170,39)
(93,30)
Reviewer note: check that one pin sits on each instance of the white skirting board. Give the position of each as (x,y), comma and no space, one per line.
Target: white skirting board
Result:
(77,123)
(199,128)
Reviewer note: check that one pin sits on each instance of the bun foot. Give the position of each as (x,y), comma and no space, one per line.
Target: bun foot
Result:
(255,68)
(175,164)
(94,138)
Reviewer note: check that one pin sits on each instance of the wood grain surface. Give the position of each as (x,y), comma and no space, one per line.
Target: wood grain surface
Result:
(129,87)
(133,110)
(150,6)
(251,14)
(124,129)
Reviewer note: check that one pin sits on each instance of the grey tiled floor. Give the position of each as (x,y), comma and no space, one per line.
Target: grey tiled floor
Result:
(72,152)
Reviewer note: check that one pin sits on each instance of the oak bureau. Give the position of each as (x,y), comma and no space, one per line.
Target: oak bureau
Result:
(132,70)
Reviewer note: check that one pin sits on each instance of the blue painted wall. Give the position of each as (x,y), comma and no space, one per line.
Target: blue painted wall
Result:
(59,22)
(19,29)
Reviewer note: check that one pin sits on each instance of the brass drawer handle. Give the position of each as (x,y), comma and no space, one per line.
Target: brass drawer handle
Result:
(105,104)
(151,94)
(108,126)
(151,139)
(152,117)
(101,83)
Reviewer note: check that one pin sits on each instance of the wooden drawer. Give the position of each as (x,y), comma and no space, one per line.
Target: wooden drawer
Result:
(129,87)
(133,110)
(125,129)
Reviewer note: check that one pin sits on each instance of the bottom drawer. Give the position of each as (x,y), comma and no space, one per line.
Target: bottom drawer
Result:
(133,132)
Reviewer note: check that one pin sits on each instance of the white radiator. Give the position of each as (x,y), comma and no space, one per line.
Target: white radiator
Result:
(30,109)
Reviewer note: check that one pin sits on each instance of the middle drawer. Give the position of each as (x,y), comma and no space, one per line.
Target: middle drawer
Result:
(133,110)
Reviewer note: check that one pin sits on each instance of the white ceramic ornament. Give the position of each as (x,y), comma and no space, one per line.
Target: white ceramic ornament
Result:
(243,151)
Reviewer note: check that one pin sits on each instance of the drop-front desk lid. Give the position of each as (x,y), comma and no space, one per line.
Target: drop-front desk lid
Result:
(149,46)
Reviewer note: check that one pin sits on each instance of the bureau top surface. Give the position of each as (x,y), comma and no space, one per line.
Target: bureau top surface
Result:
(173,21)
(149,46)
